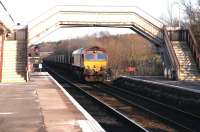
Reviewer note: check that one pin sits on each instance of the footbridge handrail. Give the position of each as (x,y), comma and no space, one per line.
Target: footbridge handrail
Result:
(150,27)
(194,46)
(173,58)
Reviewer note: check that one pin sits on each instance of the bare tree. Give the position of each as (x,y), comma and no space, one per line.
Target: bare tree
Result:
(123,51)
(169,18)
(192,11)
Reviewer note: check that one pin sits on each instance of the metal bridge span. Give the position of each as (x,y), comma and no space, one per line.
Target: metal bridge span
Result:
(126,17)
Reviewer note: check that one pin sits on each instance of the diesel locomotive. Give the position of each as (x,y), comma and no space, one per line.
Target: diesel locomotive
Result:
(87,63)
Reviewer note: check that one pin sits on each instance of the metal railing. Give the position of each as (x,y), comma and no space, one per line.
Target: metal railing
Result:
(195,48)
(149,28)
(186,35)
(175,65)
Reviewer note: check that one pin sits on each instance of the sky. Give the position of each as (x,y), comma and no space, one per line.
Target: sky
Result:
(23,11)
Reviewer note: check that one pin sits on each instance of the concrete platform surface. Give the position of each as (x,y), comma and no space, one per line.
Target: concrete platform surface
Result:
(42,105)
(186,84)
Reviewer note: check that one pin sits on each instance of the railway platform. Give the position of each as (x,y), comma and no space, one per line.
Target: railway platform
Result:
(42,105)
(191,85)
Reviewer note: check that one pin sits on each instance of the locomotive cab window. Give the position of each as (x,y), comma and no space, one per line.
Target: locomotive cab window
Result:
(89,56)
(101,56)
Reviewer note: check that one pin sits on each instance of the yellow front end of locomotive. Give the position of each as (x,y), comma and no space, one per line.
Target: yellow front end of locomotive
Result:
(95,70)
(95,65)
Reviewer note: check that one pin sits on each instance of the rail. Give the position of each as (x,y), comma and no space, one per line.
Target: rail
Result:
(125,84)
(172,54)
(132,125)
(191,41)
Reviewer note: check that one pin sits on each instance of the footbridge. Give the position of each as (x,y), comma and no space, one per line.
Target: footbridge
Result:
(98,16)
(177,46)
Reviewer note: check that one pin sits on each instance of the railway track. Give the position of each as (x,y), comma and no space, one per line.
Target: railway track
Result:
(110,119)
(184,98)
(124,104)
(177,117)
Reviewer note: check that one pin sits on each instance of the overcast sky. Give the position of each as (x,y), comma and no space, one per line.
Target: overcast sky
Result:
(23,11)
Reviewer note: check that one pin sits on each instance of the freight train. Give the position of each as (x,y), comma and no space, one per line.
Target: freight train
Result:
(87,63)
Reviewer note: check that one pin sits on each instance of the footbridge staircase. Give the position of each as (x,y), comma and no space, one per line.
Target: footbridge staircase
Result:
(177,46)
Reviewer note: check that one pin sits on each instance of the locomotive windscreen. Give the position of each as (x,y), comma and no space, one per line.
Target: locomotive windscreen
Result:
(101,56)
(89,57)
(98,56)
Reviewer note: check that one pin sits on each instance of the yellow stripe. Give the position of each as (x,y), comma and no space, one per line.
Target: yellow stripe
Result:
(95,65)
